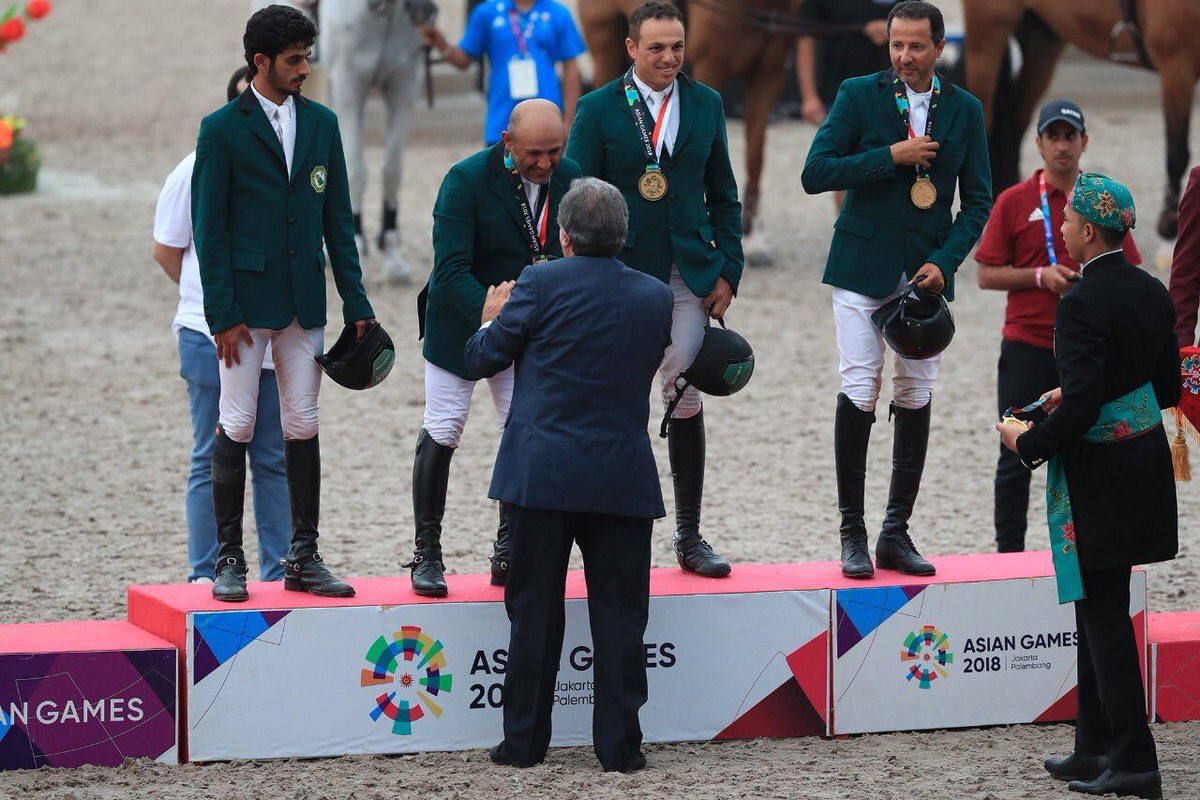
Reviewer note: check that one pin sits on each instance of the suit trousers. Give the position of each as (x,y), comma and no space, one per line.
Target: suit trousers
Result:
(1112,701)
(861,351)
(616,564)
(1023,375)
(294,350)
(448,402)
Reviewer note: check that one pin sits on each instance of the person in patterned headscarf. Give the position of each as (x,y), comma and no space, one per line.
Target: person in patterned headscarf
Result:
(1110,490)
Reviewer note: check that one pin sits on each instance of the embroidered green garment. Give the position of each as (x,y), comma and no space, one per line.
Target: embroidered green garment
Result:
(1126,416)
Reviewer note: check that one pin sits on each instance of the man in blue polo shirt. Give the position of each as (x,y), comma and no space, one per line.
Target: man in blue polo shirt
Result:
(523,41)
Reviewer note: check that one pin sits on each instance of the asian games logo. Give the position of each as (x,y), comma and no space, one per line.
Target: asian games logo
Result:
(398,662)
(927,652)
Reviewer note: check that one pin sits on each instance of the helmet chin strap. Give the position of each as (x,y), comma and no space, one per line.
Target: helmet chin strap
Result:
(679,390)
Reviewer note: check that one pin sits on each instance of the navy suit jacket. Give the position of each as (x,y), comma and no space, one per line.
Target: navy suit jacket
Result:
(587,336)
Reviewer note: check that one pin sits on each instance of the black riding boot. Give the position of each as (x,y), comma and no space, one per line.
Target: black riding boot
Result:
(685,444)
(431,475)
(851,434)
(895,549)
(501,550)
(303,569)
(229,499)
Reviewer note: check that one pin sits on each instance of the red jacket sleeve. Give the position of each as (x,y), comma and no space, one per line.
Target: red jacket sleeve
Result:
(1185,268)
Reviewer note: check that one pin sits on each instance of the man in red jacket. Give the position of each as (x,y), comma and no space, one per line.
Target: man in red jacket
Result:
(1185,268)
(1022,252)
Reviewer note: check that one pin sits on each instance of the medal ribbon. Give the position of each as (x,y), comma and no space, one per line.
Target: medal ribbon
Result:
(902,105)
(637,104)
(522,37)
(1046,219)
(535,233)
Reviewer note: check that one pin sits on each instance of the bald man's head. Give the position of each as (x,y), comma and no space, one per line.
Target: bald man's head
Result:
(535,138)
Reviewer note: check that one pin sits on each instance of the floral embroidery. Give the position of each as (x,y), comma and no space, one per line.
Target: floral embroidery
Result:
(1128,218)
(1106,204)
(1122,430)
(1069,543)
(1191,374)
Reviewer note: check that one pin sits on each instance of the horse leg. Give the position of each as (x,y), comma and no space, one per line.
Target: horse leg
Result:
(1178,84)
(399,95)
(604,33)
(348,93)
(988,25)
(1040,50)
(763,87)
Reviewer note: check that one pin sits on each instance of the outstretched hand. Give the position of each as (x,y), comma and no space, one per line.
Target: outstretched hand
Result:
(497,296)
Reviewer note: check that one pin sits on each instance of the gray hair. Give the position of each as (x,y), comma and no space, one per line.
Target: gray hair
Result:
(594,215)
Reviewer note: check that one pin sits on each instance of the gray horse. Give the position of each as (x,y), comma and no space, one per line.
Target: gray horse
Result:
(365,44)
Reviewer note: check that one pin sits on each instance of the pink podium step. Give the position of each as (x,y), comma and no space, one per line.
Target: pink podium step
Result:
(78,693)
(1175,663)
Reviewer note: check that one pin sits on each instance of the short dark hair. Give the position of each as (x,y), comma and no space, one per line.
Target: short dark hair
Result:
(1112,239)
(242,74)
(274,29)
(918,10)
(652,10)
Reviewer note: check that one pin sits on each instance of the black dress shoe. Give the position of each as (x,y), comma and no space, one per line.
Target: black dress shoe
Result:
(895,550)
(696,555)
(856,556)
(230,583)
(500,755)
(1076,767)
(308,573)
(1123,784)
(634,764)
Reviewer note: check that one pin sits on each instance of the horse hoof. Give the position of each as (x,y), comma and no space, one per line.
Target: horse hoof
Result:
(1168,224)
(395,268)
(757,250)
(360,243)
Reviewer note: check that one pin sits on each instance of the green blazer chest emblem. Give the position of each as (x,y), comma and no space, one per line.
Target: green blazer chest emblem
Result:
(317,179)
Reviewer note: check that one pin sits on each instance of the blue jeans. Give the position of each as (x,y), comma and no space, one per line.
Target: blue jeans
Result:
(272,512)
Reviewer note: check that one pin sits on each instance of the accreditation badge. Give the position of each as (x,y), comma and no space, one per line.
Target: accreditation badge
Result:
(522,78)
(318,179)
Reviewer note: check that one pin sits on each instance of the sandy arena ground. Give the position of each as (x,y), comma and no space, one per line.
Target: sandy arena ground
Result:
(96,431)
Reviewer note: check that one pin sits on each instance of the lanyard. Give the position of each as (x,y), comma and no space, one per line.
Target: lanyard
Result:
(902,105)
(637,104)
(1046,219)
(522,37)
(534,233)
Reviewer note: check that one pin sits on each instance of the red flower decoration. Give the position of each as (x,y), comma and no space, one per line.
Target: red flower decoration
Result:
(1069,530)
(1122,430)
(36,9)
(12,30)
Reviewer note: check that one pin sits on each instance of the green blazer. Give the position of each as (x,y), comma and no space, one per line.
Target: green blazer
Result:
(259,231)
(880,233)
(698,225)
(479,240)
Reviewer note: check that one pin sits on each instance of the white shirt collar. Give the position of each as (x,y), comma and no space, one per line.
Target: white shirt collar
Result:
(915,95)
(647,92)
(269,108)
(1102,255)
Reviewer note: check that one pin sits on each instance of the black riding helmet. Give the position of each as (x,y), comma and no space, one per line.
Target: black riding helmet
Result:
(360,363)
(917,324)
(721,368)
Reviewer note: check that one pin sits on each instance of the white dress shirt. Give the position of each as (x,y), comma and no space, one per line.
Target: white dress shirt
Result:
(654,103)
(918,109)
(283,122)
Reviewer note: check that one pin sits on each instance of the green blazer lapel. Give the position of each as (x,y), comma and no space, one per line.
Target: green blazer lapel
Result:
(622,102)
(947,110)
(689,100)
(888,103)
(256,120)
(306,131)
(503,186)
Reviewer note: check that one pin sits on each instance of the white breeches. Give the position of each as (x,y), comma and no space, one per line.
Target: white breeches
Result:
(294,350)
(448,402)
(688,320)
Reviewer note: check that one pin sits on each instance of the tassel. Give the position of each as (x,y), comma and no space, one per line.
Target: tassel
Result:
(1179,448)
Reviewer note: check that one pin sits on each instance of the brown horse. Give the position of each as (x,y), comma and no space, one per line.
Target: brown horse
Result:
(726,39)
(1159,34)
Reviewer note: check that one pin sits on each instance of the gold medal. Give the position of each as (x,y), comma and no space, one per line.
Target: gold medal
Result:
(652,185)
(923,193)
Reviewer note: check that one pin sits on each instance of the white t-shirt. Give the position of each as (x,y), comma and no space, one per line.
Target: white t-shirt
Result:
(173,228)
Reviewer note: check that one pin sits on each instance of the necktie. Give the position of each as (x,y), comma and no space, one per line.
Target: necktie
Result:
(283,114)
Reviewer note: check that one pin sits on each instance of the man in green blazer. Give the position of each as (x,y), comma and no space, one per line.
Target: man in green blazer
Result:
(897,142)
(659,137)
(496,213)
(268,188)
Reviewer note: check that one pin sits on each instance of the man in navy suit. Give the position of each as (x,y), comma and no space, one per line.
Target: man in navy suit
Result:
(587,335)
